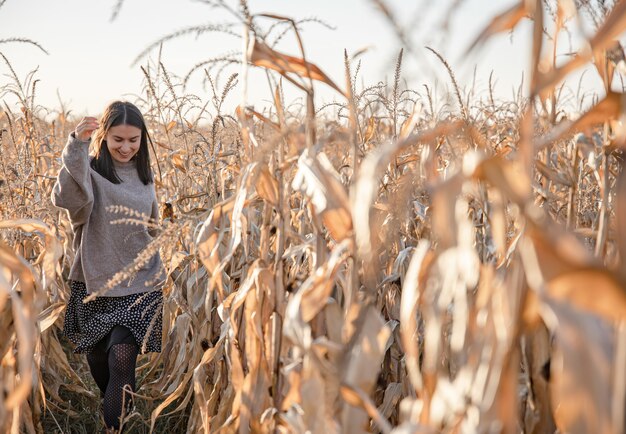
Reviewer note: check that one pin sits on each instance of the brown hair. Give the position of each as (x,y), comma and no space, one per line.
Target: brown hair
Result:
(121,113)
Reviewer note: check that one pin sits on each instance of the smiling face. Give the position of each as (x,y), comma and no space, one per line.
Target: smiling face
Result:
(123,142)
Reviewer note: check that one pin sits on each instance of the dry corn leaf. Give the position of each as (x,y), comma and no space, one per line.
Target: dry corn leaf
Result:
(572,275)
(49,316)
(611,107)
(358,398)
(605,64)
(317,179)
(181,387)
(503,22)
(537,352)
(609,31)
(408,313)
(506,176)
(262,118)
(582,372)
(367,181)
(22,309)
(362,362)
(264,56)
(555,176)
(209,235)
(370,131)
(317,288)
(178,161)
(50,255)
(620,221)
(267,186)
(591,290)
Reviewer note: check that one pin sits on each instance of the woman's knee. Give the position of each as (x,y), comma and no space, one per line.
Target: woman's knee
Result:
(123,358)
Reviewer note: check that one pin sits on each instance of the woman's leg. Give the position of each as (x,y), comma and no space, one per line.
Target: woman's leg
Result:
(99,367)
(122,361)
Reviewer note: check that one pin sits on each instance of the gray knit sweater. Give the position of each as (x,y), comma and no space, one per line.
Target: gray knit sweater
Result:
(102,248)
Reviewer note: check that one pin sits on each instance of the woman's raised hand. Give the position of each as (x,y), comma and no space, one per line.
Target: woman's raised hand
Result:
(85,127)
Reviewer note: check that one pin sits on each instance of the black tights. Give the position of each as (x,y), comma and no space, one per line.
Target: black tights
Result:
(112,372)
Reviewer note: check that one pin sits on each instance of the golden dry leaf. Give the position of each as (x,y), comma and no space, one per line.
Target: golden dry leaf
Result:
(263,56)
(409,124)
(178,161)
(22,309)
(498,221)
(357,398)
(558,252)
(262,118)
(556,177)
(362,362)
(317,179)
(170,126)
(611,29)
(505,175)
(209,235)
(605,62)
(172,397)
(611,107)
(413,282)
(443,204)
(267,186)
(604,38)
(370,170)
(501,23)
(572,275)
(531,311)
(201,385)
(591,290)
(338,221)
(370,131)
(620,219)
(53,251)
(317,288)
(49,316)
(584,373)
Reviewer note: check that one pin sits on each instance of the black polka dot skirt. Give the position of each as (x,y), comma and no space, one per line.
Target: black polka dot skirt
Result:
(90,324)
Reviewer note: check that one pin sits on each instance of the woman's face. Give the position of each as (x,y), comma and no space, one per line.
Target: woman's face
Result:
(123,142)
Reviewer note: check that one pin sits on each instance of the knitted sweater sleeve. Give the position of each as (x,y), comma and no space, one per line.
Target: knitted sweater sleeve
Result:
(154,218)
(72,190)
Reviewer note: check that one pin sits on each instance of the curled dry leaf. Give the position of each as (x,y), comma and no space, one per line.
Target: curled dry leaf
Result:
(609,31)
(18,384)
(317,179)
(611,107)
(267,186)
(53,250)
(264,56)
(358,398)
(506,21)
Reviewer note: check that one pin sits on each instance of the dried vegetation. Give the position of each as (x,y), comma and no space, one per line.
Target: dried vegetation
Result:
(395,265)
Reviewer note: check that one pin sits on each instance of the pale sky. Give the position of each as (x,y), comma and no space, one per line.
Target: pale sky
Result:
(90,57)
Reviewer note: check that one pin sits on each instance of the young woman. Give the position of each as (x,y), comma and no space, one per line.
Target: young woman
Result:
(124,320)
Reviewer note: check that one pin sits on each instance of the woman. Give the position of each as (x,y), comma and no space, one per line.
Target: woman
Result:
(123,320)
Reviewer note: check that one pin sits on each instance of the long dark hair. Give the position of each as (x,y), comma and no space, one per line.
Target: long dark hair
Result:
(121,113)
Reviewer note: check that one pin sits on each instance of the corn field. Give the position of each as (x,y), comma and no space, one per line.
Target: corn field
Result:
(390,263)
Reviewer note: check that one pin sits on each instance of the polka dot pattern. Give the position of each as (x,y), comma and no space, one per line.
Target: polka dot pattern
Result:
(87,323)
